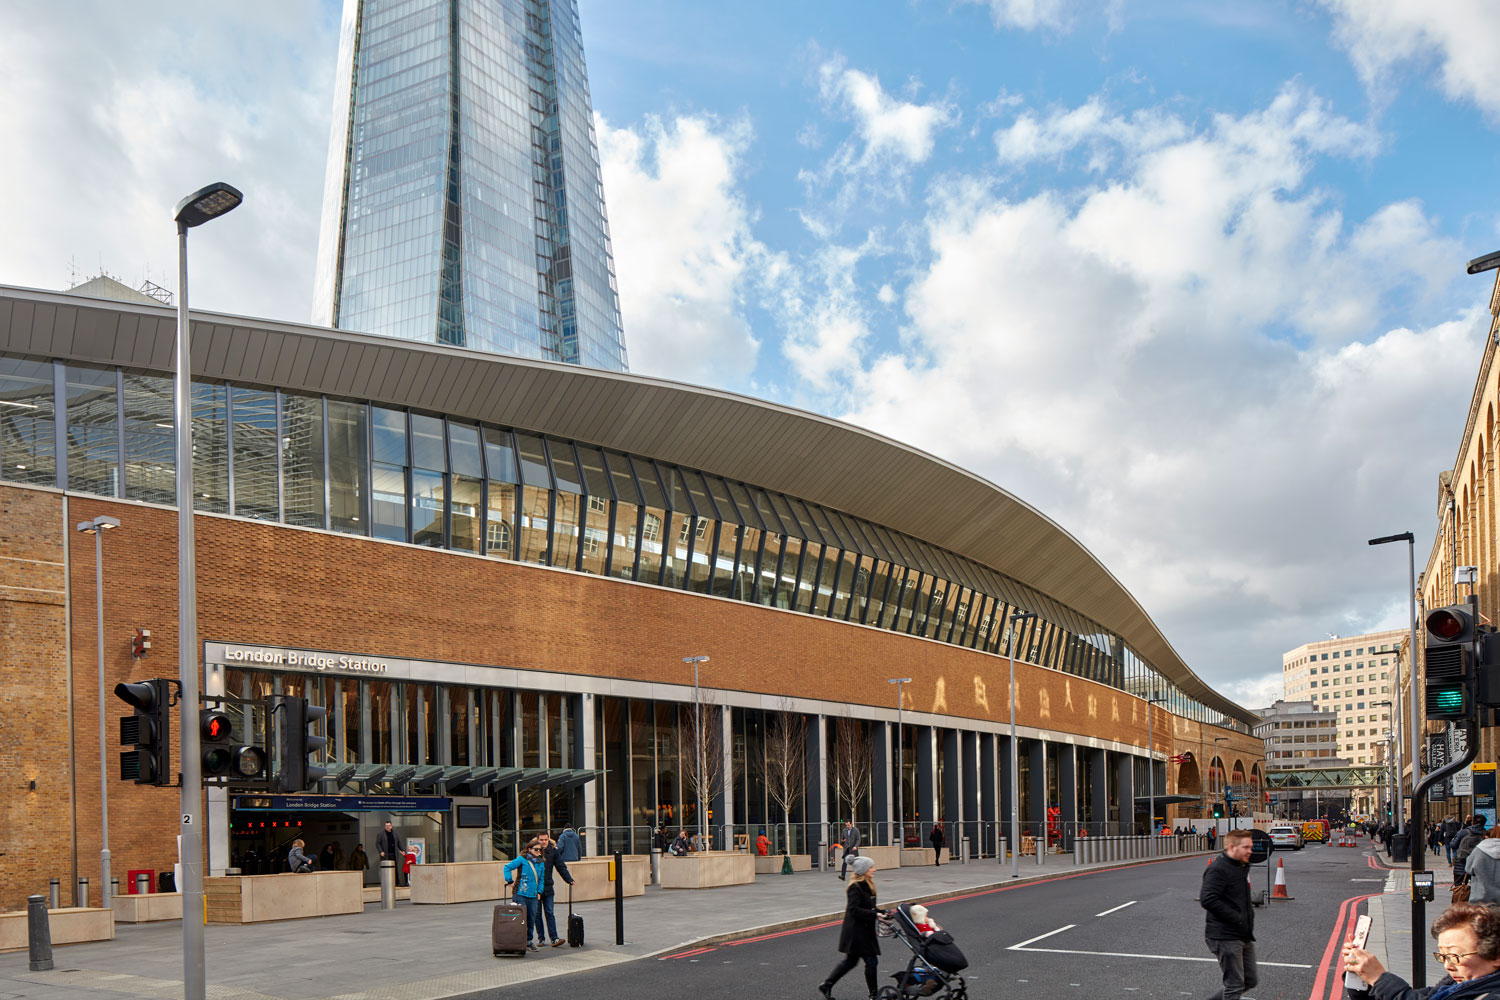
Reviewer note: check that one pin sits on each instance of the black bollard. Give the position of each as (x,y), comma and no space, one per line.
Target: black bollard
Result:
(38,934)
(619,898)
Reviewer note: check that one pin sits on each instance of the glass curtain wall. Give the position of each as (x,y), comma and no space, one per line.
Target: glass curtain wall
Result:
(388,473)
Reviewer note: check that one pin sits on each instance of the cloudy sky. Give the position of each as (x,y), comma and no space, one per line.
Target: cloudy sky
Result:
(1187,277)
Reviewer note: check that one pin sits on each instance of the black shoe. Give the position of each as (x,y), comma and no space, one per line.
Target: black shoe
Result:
(826,990)
(841,878)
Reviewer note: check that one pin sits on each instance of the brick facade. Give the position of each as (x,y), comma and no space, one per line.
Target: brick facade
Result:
(276,585)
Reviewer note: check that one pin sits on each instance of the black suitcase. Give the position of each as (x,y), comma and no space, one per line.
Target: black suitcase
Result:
(575,923)
(508,929)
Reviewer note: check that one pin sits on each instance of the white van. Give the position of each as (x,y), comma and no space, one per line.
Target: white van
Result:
(1284,836)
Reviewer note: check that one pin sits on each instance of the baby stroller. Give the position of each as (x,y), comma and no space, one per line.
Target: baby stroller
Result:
(935,961)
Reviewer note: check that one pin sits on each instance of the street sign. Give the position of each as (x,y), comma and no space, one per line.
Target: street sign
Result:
(1437,756)
(1261,846)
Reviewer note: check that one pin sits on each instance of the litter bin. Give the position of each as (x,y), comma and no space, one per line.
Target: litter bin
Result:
(1400,847)
(166,882)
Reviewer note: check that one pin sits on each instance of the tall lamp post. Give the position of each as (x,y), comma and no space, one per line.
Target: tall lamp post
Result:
(1217,741)
(197,208)
(1393,752)
(1152,700)
(900,765)
(1015,765)
(97,527)
(698,729)
(1413,708)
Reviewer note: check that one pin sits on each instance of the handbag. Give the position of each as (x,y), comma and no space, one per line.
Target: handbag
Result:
(1460,891)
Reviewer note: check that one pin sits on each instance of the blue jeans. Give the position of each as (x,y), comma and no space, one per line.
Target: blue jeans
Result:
(533,917)
(550,916)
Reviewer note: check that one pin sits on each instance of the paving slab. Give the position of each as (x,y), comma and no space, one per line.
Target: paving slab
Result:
(432,952)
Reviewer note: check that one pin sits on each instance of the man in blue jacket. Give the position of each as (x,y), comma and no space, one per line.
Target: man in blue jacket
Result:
(1229,926)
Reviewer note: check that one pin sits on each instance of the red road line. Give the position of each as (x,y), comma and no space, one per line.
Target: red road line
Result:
(685,954)
(1329,963)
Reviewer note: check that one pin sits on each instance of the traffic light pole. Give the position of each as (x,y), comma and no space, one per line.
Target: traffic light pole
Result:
(1418,855)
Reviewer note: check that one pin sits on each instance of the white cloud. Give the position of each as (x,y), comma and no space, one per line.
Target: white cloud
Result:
(1461,36)
(1025,14)
(891,136)
(1032,138)
(105,135)
(1188,367)
(684,252)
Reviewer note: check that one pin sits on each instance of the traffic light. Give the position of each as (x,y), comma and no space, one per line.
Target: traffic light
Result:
(1218,811)
(148,730)
(296,743)
(1450,663)
(224,756)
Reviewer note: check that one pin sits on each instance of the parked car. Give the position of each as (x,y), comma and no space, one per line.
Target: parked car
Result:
(1287,836)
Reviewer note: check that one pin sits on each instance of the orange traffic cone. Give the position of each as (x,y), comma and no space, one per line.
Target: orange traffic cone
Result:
(1279,890)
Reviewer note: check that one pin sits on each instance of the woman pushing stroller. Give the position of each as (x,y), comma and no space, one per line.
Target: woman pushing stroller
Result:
(857,938)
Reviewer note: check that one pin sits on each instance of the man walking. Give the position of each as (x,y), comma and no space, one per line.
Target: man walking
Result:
(553,862)
(1229,925)
(388,842)
(851,847)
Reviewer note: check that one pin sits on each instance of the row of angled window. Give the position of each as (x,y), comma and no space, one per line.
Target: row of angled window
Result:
(387,473)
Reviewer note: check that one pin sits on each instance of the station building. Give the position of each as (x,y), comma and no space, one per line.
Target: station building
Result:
(491,570)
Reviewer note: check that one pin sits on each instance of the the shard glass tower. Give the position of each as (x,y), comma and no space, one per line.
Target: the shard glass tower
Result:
(463,203)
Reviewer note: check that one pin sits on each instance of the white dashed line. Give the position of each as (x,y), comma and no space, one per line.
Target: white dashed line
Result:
(1120,907)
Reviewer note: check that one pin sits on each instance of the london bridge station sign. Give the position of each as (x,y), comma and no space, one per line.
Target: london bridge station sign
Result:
(278,657)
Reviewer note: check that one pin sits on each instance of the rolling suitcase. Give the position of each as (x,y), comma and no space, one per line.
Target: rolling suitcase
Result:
(575,923)
(508,931)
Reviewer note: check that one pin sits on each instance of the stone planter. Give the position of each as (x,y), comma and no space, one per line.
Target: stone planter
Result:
(915,857)
(457,882)
(707,870)
(249,899)
(591,878)
(771,864)
(69,925)
(145,908)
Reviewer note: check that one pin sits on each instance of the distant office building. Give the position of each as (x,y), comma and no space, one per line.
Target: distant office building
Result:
(463,203)
(1300,735)
(1352,677)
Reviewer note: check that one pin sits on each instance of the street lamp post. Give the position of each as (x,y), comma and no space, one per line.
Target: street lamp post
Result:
(1217,741)
(97,527)
(900,766)
(1152,700)
(1015,765)
(1413,709)
(698,731)
(1393,752)
(197,208)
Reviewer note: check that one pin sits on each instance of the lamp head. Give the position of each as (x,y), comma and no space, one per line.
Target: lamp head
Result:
(102,522)
(1488,262)
(207,203)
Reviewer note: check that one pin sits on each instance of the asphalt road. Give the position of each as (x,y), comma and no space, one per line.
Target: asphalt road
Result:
(1134,932)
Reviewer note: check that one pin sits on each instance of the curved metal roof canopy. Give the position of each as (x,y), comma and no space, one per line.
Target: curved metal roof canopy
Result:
(765,444)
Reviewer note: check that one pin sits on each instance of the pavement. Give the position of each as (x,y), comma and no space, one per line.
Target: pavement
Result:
(433,952)
(1391,913)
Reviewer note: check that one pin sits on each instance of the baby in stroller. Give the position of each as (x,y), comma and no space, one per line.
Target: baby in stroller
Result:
(935,958)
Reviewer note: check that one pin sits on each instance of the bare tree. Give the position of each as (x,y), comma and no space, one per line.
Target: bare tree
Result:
(700,749)
(786,762)
(853,759)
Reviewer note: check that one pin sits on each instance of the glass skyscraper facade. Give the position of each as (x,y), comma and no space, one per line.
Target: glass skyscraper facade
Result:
(463,202)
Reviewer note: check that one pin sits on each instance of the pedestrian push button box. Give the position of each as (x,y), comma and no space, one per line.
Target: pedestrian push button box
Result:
(1421,886)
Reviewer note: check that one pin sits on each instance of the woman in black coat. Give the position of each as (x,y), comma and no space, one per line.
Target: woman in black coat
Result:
(857,938)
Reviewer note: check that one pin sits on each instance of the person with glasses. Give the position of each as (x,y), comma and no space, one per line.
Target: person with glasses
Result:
(1468,938)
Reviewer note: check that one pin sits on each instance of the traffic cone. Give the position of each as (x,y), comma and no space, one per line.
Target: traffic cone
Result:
(1279,890)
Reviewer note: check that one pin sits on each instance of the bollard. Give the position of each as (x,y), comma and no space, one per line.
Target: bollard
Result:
(114,890)
(1003,855)
(1041,847)
(388,884)
(656,866)
(142,884)
(963,846)
(822,856)
(619,898)
(38,934)
(81,896)
(54,893)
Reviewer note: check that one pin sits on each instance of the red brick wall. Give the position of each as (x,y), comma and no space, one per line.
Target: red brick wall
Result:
(268,584)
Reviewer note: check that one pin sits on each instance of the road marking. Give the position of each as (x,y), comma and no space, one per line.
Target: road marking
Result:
(1120,907)
(1023,944)
(1367,880)
(1131,954)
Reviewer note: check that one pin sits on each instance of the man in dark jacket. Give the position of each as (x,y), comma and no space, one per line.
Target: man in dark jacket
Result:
(388,842)
(1464,842)
(555,863)
(851,847)
(1229,927)
(937,840)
